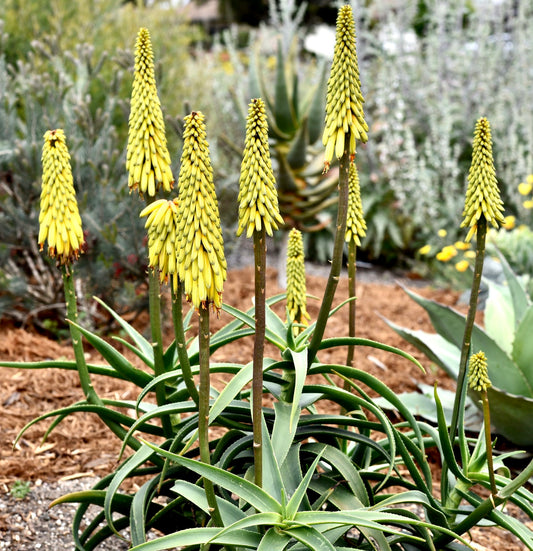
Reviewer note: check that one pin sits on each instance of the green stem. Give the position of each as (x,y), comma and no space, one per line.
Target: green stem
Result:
(336,261)
(460,393)
(154,296)
(488,442)
(259,347)
(203,409)
(352,268)
(77,345)
(181,345)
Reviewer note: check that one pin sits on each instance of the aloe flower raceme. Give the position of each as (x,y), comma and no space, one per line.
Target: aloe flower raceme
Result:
(162,226)
(482,195)
(258,198)
(344,103)
(296,288)
(478,376)
(59,218)
(148,160)
(355,222)
(201,261)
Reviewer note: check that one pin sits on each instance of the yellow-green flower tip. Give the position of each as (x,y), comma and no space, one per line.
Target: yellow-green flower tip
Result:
(59,218)
(258,197)
(147,159)
(355,223)
(344,101)
(482,194)
(296,288)
(201,261)
(162,227)
(478,376)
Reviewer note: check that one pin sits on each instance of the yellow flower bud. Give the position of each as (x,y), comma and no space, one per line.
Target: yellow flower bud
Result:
(201,261)
(525,189)
(529,179)
(462,265)
(528,204)
(424,250)
(442,233)
(446,253)
(162,226)
(59,218)
(482,195)
(461,245)
(355,222)
(470,254)
(344,102)
(258,197)
(478,376)
(147,159)
(296,288)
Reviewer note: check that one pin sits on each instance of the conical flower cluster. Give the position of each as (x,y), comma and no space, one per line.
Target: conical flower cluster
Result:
(482,194)
(59,218)
(258,197)
(201,261)
(296,288)
(148,160)
(478,376)
(162,227)
(344,102)
(355,223)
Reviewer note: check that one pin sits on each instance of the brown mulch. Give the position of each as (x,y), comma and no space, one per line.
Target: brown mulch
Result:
(82,446)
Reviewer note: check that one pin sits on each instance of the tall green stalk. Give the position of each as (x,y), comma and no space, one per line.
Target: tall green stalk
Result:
(352,270)
(336,261)
(181,345)
(259,347)
(203,408)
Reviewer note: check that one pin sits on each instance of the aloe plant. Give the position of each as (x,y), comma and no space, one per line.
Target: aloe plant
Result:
(506,341)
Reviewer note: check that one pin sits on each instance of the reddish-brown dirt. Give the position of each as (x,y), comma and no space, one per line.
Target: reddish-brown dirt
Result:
(82,446)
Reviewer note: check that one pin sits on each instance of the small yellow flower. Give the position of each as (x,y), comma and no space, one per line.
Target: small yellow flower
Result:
(201,260)
(447,253)
(258,197)
(344,101)
(296,288)
(462,265)
(424,250)
(478,376)
(509,222)
(147,159)
(59,218)
(162,226)
(470,254)
(529,179)
(482,195)
(355,223)
(525,189)
(461,245)
(442,233)
(528,204)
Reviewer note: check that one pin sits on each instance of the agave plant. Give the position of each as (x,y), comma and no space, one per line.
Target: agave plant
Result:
(506,341)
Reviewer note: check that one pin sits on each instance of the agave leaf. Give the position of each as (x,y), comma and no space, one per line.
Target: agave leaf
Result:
(284,114)
(522,352)
(274,540)
(499,317)
(297,154)
(315,115)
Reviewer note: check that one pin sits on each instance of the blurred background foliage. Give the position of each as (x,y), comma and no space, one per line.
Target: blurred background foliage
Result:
(429,70)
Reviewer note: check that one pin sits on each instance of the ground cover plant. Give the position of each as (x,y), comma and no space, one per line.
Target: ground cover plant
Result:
(276,474)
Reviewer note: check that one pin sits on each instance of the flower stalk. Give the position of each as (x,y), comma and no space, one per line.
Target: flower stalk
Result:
(258,215)
(296,287)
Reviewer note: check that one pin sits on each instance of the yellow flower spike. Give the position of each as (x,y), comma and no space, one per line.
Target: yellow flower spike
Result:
(355,223)
(201,261)
(426,249)
(344,102)
(147,159)
(296,288)
(478,376)
(482,195)
(258,197)
(462,265)
(525,188)
(59,218)
(162,226)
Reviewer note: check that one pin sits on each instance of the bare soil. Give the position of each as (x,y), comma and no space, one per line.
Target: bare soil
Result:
(81,447)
